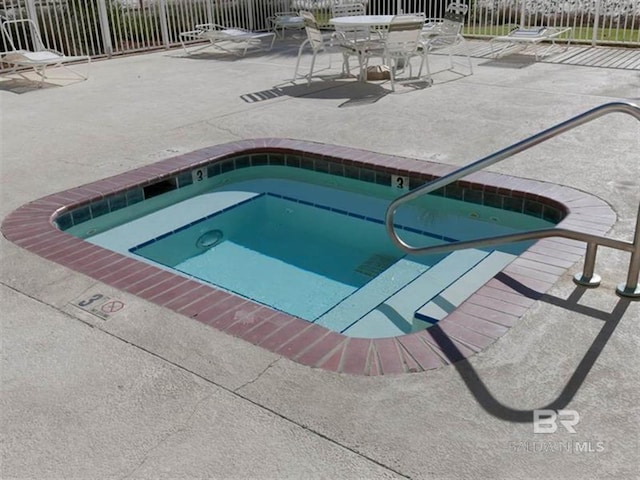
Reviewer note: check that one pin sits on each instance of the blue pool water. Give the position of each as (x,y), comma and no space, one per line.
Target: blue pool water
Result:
(315,246)
(299,258)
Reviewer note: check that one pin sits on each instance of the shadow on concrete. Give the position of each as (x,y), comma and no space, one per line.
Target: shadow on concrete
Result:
(354,92)
(514,60)
(479,390)
(23,85)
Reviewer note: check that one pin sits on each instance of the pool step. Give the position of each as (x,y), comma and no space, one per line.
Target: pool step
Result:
(135,232)
(369,296)
(451,297)
(395,315)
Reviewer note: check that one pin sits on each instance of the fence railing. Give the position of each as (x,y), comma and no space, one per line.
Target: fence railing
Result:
(111,27)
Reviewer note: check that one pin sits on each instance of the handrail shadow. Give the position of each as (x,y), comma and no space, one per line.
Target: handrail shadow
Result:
(480,391)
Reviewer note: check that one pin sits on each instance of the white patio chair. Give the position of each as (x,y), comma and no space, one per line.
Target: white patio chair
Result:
(28,50)
(221,37)
(402,42)
(351,33)
(454,7)
(320,43)
(446,34)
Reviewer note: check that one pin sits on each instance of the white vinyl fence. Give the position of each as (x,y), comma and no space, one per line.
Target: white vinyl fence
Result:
(109,27)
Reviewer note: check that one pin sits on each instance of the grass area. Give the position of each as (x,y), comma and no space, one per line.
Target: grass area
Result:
(580,33)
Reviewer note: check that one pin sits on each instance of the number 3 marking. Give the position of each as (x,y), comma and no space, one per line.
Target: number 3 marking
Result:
(199,174)
(400,182)
(89,301)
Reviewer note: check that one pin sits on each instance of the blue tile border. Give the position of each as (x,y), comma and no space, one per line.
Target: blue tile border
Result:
(460,190)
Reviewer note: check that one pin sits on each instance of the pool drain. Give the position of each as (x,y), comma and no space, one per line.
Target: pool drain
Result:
(375,265)
(209,239)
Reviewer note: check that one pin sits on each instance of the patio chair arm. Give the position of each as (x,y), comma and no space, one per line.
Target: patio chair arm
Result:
(440,40)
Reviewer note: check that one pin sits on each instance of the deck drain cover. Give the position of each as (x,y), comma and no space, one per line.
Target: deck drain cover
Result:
(375,265)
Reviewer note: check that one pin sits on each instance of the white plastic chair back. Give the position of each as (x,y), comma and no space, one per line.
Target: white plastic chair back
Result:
(314,35)
(458,8)
(23,34)
(348,10)
(403,35)
(451,24)
(453,19)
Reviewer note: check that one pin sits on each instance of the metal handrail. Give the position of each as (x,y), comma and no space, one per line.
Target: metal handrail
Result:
(588,278)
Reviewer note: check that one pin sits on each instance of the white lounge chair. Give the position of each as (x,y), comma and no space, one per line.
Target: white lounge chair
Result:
(221,37)
(282,21)
(27,50)
(523,38)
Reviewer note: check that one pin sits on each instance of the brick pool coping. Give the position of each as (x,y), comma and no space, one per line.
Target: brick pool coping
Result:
(477,323)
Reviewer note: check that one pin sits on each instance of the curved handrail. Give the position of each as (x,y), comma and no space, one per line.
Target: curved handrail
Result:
(631,288)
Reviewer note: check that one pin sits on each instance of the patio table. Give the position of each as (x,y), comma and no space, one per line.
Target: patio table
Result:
(378,23)
(372,21)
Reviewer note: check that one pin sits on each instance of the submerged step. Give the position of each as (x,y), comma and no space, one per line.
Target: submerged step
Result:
(369,296)
(137,231)
(451,297)
(395,316)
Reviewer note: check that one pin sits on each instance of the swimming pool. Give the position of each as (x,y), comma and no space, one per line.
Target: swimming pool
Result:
(89,212)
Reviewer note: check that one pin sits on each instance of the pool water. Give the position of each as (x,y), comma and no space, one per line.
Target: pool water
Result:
(315,247)
(299,258)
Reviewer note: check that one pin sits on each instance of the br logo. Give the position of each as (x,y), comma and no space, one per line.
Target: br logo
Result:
(546,421)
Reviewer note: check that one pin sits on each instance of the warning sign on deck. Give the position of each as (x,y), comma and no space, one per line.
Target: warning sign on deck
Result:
(99,305)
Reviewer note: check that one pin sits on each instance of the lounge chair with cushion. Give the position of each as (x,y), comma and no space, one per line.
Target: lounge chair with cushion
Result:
(523,38)
(222,38)
(28,50)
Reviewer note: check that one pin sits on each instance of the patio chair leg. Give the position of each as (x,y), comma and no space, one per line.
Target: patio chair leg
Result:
(346,69)
(425,61)
(295,72)
(466,52)
(391,73)
(41,72)
(313,62)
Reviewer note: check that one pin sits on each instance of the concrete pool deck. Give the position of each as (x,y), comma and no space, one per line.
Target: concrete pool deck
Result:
(148,393)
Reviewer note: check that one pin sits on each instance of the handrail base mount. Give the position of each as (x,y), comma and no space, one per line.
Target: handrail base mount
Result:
(629,292)
(592,281)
